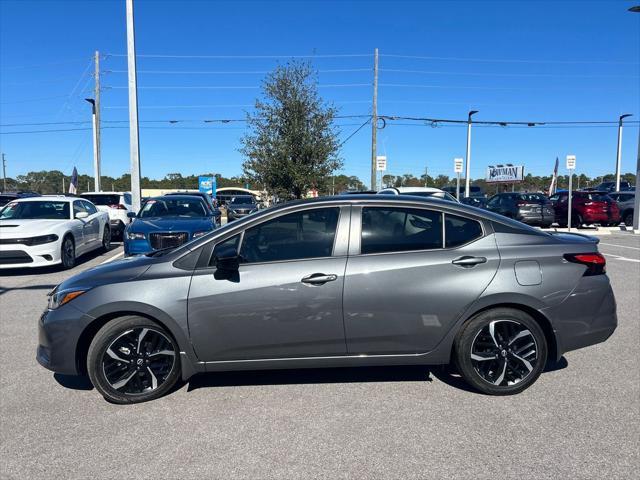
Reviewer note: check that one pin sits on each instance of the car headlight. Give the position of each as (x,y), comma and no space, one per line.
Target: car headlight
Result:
(42,239)
(135,236)
(199,234)
(59,298)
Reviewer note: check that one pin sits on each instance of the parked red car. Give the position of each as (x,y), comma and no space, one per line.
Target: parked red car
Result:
(586,208)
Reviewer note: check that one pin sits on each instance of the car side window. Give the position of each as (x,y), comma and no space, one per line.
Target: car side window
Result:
(296,236)
(228,243)
(390,229)
(460,230)
(554,198)
(89,207)
(493,202)
(78,207)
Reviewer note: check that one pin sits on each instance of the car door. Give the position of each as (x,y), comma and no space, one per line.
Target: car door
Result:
(92,227)
(80,229)
(405,286)
(285,300)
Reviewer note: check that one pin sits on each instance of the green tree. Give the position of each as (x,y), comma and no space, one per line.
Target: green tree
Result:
(292,145)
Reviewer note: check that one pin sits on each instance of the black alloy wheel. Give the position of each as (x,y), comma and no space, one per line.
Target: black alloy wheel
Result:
(68,253)
(501,351)
(132,360)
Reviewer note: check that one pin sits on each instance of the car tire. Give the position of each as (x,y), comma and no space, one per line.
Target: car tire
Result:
(500,351)
(577,221)
(106,239)
(628,219)
(68,253)
(133,359)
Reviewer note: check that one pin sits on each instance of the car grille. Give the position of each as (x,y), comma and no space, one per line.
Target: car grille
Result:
(167,239)
(9,257)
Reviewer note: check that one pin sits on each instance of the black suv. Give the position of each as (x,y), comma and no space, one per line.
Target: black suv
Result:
(6,197)
(611,186)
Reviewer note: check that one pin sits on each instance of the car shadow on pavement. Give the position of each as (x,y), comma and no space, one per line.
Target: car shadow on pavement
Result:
(4,290)
(415,373)
(80,261)
(73,382)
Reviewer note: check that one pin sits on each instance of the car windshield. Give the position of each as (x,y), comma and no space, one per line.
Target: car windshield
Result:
(37,210)
(173,207)
(242,200)
(102,199)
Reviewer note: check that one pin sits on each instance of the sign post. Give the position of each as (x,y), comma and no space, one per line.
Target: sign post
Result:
(571,165)
(457,168)
(381,165)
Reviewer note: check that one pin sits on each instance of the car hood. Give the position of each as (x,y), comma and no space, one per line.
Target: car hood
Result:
(170,224)
(114,272)
(27,228)
(242,206)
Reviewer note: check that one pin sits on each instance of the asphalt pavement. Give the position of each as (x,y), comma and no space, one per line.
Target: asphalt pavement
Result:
(580,420)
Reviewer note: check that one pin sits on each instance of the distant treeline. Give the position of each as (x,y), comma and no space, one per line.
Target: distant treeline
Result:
(51,181)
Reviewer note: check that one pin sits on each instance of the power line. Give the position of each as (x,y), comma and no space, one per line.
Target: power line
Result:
(232,72)
(248,57)
(479,87)
(354,132)
(485,74)
(504,60)
(232,87)
(41,99)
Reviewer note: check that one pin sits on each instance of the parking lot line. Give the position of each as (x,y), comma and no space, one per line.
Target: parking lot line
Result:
(621,246)
(111,259)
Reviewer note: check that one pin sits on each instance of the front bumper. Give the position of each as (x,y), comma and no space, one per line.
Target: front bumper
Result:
(58,334)
(21,256)
(136,247)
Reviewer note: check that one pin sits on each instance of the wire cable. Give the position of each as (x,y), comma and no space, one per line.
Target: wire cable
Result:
(504,60)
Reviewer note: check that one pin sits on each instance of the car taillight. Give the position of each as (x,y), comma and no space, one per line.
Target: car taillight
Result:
(588,203)
(595,262)
(118,207)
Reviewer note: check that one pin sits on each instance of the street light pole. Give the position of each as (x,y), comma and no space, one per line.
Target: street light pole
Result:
(619,154)
(4,174)
(468,162)
(96,151)
(134,145)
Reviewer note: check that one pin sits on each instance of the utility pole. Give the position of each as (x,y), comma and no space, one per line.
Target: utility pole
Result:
(468,162)
(134,146)
(4,174)
(426,176)
(619,152)
(96,154)
(63,185)
(97,120)
(374,122)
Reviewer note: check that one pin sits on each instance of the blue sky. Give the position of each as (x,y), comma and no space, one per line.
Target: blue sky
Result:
(512,61)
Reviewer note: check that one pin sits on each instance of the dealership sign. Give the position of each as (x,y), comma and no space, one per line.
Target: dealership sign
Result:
(207,185)
(508,174)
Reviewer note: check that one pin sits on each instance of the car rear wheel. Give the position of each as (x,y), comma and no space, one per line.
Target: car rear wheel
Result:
(501,351)
(106,239)
(132,360)
(68,253)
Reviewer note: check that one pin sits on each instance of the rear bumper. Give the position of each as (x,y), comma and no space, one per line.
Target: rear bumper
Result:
(117,227)
(586,317)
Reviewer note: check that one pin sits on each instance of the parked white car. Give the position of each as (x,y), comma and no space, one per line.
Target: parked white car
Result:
(418,192)
(116,204)
(50,230)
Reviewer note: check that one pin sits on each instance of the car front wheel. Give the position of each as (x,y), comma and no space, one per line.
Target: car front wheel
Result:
(501,351)
(68,253)
(106,239)
(132,360)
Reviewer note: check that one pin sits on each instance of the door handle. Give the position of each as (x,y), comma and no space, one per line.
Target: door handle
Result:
(468,262)
(319,278)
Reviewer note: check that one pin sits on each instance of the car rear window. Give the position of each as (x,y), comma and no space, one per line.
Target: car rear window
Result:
(400,230)
(102,199)
(533,197)
(594,197)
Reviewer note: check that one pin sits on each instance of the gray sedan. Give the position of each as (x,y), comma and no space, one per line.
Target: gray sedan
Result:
(355,280)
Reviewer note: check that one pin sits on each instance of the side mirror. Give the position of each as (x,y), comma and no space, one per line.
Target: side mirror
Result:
(131,214)
(228,259)
(81,215)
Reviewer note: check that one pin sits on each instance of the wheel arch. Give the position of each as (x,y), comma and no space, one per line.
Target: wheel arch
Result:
(100,320)
(537,315)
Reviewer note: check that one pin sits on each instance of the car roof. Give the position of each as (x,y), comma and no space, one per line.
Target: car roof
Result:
(102,193)
(413,189)
(53,198)
(184,196)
